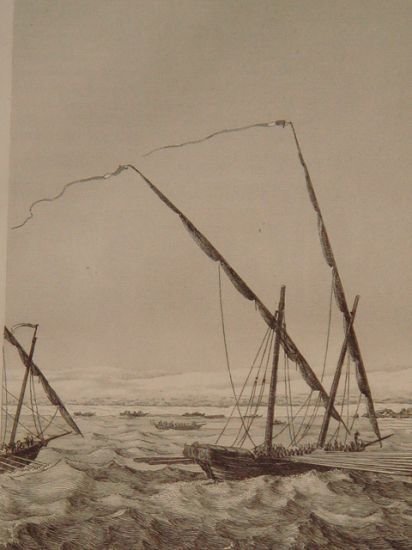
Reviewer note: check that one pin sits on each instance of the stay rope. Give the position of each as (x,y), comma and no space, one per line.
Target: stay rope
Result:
(288,398)
(227,355)
(335,434)
(263,342)
(318,401)
(255,408)
(33,403)
(296,415)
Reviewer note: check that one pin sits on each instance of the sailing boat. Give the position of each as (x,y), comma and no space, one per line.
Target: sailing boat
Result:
(237,462)
(22,439)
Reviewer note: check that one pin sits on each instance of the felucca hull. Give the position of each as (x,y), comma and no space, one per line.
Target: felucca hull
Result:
(232,463)
(19,458)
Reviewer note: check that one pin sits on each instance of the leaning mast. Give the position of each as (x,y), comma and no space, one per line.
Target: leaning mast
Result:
(23,388)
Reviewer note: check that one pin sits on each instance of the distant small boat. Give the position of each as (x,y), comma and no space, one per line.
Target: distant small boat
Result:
(171,425)
(203,415)
(133,414)
(84,413)
(253,416)
(389,413)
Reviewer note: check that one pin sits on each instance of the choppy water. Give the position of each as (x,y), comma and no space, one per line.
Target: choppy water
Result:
(96,497)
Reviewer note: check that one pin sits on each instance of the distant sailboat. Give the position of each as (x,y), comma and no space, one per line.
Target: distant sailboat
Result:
(21,442)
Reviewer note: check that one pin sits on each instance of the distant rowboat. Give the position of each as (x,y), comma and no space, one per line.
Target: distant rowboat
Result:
(170,425)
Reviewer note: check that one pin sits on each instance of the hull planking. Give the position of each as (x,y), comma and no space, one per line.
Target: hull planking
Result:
(232,463)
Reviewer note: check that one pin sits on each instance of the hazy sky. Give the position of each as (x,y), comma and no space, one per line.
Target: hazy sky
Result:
(115,282)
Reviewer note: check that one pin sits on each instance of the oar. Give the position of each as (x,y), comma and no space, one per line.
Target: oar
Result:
(6,465)
(154,460)
(377,440)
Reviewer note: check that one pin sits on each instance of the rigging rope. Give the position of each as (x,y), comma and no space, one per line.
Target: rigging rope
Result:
(325,357)
(21,424)
(290,398)
(288,391)
(254,412)
(263,342)
(335,435)
(245,417)
(302,425)
(296,415)
(25,406)
(227,354)
(289,416)
(356,414)
(328,331)
(267,346)
(36,418)
(43,431)
(319,399)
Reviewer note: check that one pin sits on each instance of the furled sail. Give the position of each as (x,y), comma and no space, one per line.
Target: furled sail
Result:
(288,345)
(339,293)
(51,394)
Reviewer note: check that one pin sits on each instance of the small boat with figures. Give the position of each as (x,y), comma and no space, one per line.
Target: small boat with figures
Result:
(172,425)
(335,439)
(133,414)
(84,413)
(24,431)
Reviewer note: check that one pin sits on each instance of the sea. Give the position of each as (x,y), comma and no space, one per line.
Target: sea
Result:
(89,493)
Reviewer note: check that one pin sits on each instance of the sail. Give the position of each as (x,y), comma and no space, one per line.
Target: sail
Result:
(51,394)
(288,345)
(339,294)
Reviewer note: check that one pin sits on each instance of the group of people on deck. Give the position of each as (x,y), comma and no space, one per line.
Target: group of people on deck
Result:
(280,451)
(18,445)
(352,446)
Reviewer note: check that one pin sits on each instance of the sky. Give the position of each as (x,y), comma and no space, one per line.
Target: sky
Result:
(118,287)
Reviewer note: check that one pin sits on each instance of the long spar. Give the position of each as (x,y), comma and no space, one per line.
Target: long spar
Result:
(286,341)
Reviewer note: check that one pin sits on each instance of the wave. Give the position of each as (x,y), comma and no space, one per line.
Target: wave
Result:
(97,497)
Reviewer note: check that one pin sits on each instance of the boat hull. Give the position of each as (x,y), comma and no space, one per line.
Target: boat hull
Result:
(232,463)
(19,458)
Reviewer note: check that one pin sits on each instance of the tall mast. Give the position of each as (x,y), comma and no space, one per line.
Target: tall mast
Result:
(23,388)
(336,378)
(353,343)
(274,375)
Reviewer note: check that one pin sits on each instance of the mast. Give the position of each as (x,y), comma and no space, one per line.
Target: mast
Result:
(336,378)
(274,375)
(49,391)
(353,343)
(23,388)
